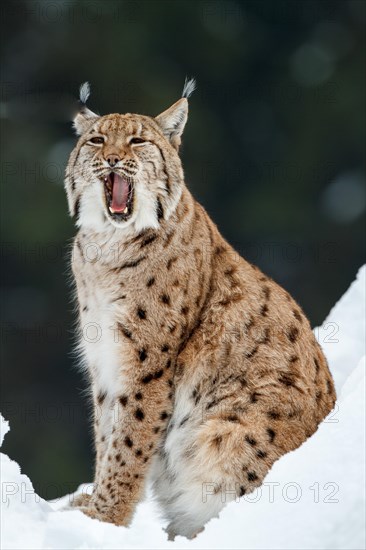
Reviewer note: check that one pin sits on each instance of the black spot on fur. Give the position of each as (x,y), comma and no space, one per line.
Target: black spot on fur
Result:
(156,429)
(146,379)
(266,292)
(150,281)
(219,250)
(123,400)
(164,415)
(241,491)
(261,454)
(128,442)
(185,419)
(297,315)
(229,272)
(101,397)
(265,339)
(138,452)
(294,358)
(286,379)
(171,262)
(152,376)
(168,364)
(251,353)
(252,476)
(254,397)
(77,207)
(139,414)
(126,333)
(197,397)
(242,380)
(232,418)
(126,265)
(272,434)
(118,457)
(250,440)
(165,299)
(250,323)
(217,440)
(165,348)
(293,334)
(148,240)
(142,355)
(138,396)
(316,363)
(264,310)
(273,414)
(141,313)
(159,209)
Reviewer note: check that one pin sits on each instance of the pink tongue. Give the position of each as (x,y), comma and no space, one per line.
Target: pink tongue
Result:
(119,194)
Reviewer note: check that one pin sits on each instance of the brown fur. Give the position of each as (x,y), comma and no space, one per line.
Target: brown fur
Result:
(190,313)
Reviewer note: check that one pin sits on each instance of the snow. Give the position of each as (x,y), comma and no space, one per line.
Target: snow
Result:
(313,498)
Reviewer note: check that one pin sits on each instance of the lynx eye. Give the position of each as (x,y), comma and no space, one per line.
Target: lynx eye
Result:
(137,140)
(97,140)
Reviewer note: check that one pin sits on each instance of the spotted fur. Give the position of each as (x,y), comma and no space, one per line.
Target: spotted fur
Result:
(203,370)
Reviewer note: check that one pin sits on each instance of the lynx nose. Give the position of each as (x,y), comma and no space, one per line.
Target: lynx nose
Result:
(112,160)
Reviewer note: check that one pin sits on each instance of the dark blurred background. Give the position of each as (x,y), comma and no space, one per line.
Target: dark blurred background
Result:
(274,149)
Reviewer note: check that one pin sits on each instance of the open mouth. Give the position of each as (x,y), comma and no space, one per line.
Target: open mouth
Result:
(119,196)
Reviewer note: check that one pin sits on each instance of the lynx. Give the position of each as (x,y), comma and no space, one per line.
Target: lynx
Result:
(203,370)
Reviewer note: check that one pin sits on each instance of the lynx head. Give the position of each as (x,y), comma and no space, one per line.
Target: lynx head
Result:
(125,170)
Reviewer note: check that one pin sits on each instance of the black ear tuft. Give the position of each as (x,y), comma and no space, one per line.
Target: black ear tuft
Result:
(84,93)
(189,87)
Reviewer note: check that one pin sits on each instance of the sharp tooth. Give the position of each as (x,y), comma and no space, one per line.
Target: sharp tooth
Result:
(105,180)
(111,210)
(125,210)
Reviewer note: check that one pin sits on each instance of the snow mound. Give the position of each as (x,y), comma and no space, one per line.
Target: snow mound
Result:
(313,498)
(342,335)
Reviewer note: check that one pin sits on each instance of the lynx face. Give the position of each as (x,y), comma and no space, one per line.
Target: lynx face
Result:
(125,170)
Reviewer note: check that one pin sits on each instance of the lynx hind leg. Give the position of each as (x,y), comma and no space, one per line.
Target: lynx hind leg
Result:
(209,466)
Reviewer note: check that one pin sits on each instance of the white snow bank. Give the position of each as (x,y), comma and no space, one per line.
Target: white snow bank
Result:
(313,498)
(342,335)
(4,428)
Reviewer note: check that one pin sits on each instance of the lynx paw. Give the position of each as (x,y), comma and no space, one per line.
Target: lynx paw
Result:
(80,500)
(77,501)
(108,514)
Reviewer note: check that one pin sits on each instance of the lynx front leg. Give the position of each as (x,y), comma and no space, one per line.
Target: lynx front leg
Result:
(140,416)
(103,425)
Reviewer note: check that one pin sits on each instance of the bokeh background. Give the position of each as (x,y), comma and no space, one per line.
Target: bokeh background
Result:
(274,149)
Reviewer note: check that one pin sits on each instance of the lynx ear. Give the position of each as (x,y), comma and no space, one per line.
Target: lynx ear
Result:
(85,117)
(173,120)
